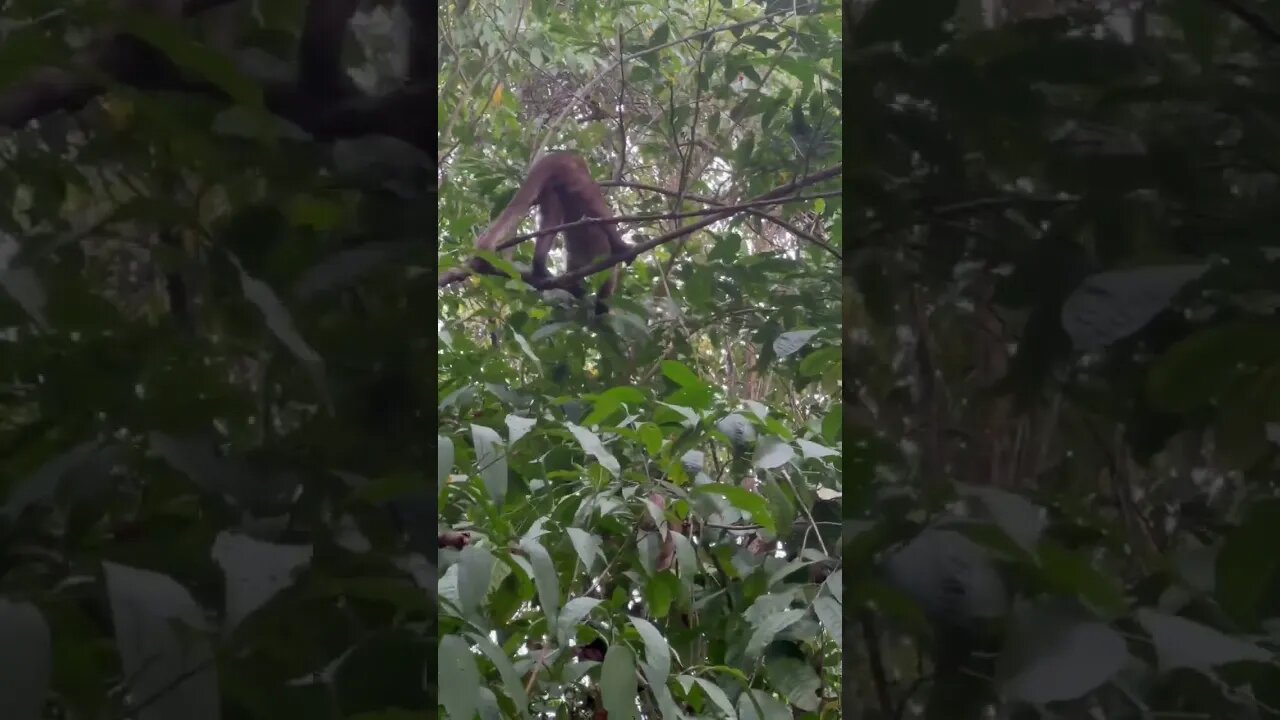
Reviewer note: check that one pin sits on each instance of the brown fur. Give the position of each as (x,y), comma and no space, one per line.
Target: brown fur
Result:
(564,191)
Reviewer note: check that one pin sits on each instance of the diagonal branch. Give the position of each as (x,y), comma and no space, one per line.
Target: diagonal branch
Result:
(458,273)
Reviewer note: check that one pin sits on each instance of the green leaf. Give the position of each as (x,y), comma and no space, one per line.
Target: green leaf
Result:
(829,613)
(657,653)
(1069,570)
(819,361)
(609,401)
(770,627)
(618,685)
(744,500)
(1248,564)
(510,678)
(518,427)
(591,443)
(791,342)
(575,611)
(444,459)
(491,460)
(1183,643)
(790,673)
(24,286)
(661,592)
(770,708)
(680,374)
(172,671)
(544,578)
(716,695)
(1202,367)
(458,678)
(772,452)
(255,571)
(1055,656)
(651,437)
(475,571)
(586,545)
(1113,305)
(281,324)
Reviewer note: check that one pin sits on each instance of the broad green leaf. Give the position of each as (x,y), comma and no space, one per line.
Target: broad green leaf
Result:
(172,671)
(718,697)
(510,678)
(772,452)
(518,427)
(1056,656)
(282,326)
(1183,643)
(810,450)
(770,627)
(744,500)
(1021,520)
(527,349)
(24,286)
(829,612)
(1112,305)
(1248,565)
(791,342)
(444,458)
(459,678)
(1199,369)
(574,612)
(591,443)
(770,707)
(790,673)
(657,653)
(343,269)
(491,461)
(586,545)
(618,685)
(475,573)
(545,579)
(1070,570)
(255,571)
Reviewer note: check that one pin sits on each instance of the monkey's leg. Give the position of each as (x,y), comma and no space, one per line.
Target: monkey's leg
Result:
(550,214)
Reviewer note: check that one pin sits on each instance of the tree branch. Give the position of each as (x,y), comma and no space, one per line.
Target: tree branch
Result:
(560,281)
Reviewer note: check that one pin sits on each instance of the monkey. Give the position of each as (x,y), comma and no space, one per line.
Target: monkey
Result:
(560,184)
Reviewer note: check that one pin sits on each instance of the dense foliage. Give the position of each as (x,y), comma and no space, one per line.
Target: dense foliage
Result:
(1063,358)
(214,370)
(651,497)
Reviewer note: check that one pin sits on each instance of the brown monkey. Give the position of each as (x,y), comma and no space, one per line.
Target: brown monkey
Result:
(564,191)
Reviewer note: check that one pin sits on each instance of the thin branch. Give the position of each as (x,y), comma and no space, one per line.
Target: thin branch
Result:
(636,250)
(656,217)
(784,224)
(453,275)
